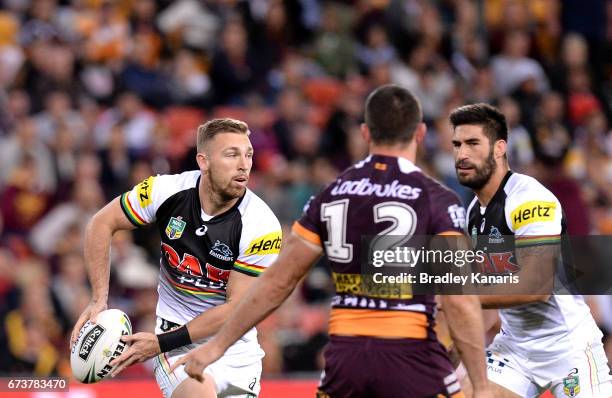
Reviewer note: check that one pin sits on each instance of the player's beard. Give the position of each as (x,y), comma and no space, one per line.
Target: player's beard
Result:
(223,186)
(482,174)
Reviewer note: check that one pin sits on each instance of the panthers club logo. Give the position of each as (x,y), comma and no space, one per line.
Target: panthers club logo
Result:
(221,251)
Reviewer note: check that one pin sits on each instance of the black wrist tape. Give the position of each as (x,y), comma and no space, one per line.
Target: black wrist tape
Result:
(174,339)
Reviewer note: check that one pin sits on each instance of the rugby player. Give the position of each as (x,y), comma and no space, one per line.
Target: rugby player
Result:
(546,341)
(216,236)
(380,345)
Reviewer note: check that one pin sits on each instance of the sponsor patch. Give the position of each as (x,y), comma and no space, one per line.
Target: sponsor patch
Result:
(533,211)
(144,192)
(267,244)
(89,341)
(457,215)
(364,285)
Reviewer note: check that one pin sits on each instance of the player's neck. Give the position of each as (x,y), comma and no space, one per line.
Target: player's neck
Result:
(211,202)
(486,193)
(407,151)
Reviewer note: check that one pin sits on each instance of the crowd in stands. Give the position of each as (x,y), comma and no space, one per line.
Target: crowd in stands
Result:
(96,95)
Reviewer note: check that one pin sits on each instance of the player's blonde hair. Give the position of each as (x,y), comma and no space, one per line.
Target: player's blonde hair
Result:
(210,129)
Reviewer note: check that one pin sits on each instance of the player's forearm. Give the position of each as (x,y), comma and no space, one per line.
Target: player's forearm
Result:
(508,301)
(98,235)
(465,323)
(261,300)
(209,322)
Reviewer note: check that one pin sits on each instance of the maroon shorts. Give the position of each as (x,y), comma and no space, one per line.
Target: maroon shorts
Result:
(365,367)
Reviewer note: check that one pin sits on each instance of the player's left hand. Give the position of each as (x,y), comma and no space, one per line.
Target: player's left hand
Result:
(141,346)
(198,359)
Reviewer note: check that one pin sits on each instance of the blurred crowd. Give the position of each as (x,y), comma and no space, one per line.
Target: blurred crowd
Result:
(96,95)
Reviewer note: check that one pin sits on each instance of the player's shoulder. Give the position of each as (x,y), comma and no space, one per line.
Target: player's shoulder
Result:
(155,190)
(256,213)
(435,189)
(521,188)
(530,203)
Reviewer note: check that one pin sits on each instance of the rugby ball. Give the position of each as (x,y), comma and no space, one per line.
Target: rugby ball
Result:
(99,343)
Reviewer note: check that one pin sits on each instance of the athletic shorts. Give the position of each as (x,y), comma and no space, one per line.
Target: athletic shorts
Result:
(364,367)
(236,376)
(578,370)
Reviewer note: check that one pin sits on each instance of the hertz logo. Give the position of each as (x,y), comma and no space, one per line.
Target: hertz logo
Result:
(267,244)
(144,192)
(534,211)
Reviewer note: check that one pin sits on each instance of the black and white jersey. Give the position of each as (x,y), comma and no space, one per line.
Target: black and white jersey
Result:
(198,252)
(524,213)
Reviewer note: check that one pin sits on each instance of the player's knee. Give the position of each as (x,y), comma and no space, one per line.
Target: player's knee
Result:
(192,388)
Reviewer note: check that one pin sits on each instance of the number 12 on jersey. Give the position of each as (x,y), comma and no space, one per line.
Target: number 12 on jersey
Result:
(335,215)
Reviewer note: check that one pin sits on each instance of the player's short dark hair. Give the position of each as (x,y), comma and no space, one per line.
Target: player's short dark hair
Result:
(210,129)
(392,114)
(493,122)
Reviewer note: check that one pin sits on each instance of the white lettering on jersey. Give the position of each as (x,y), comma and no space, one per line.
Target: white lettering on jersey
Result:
(364,187)
(457,215)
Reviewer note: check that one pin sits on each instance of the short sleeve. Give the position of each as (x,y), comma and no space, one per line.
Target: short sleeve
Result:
(260,242)
(534,217)
(141,203)
(308,227)
(137,204)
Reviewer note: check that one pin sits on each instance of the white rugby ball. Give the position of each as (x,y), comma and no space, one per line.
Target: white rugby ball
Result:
(98,344)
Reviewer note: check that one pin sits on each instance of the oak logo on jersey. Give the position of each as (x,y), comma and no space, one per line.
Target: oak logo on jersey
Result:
(221,251)
(267,244)
(533,211)
(144,192)
(175,227)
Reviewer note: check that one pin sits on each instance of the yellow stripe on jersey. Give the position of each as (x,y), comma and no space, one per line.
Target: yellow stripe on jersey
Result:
(143,191)
(266,244)
(533,211)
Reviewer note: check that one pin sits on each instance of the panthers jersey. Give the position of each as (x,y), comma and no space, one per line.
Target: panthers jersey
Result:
(524,213)
(199,252)
(380,195)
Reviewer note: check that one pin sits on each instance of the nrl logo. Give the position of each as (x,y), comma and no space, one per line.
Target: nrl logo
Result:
(175,228)
(221,251)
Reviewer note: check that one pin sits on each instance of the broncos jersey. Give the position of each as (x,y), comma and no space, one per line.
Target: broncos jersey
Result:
(380,195)
(199,252)
(524,213)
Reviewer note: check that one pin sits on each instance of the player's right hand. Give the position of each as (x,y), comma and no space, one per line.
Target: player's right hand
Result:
(89,313)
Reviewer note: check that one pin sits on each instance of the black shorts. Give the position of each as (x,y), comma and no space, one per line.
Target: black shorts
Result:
(365,367)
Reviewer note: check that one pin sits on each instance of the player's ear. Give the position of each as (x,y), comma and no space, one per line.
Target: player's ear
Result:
(365,132)
(419,133)
(499,148)
(203,162)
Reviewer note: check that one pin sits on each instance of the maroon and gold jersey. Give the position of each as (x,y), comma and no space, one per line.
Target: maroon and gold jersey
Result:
(380,195)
